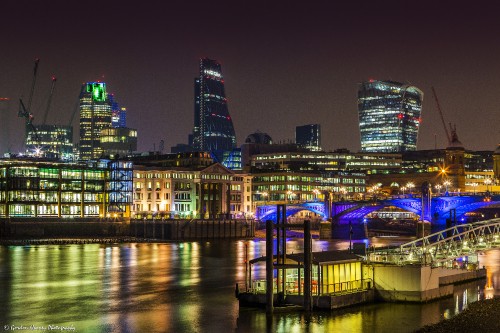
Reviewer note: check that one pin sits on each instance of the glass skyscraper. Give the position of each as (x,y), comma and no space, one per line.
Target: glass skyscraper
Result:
(118,114)
(95,115)
(389,116)
(308,136)
(213,128)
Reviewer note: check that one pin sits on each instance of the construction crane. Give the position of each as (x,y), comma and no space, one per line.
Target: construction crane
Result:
(54,79)
(25,112)
(448,137)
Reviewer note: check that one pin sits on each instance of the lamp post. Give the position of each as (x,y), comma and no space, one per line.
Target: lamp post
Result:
(446,183)
(342,191)
(316,192)
(410,187)
(474,185)
(438,188)
(403,188)
(290,195)
(488,182)
(265,195)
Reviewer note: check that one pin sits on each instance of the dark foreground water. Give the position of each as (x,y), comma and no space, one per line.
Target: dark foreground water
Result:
(182,287)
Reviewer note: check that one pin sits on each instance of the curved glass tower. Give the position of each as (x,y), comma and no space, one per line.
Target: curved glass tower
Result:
(213,128)
(389,116)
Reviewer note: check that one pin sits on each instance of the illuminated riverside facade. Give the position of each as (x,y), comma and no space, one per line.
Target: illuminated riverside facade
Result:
(290,187)
(213,128)
(341,160)
(95,115)
(174,192)
(37,188)
(389,116)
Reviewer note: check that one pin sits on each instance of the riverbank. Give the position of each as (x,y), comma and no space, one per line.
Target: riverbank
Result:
(64,241)
(481,316)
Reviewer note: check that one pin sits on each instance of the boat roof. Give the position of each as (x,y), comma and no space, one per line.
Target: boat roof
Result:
(318,258)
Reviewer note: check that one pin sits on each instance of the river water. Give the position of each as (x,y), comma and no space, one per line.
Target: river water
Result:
(184,287)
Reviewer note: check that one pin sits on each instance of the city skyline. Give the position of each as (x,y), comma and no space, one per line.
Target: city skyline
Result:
(302,68)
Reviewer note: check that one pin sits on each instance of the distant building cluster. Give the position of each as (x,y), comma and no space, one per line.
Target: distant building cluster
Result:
(211,176)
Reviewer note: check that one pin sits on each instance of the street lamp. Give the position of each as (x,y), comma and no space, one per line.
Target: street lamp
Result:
(316,192)
(446,183)
(290,195)
(374,190)
(438,188)
(410,186)
(264,195)
(474,185)
(403,188)
(343,190)
(488,182)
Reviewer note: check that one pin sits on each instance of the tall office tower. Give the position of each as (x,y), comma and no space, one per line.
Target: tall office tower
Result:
(308,136)
(95,115)
(389,116)
(213,128)
(118,115)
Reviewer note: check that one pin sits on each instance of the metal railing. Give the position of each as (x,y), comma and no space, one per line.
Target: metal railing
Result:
(443,246)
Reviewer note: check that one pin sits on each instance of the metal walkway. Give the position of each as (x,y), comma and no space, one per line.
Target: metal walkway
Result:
(443,246)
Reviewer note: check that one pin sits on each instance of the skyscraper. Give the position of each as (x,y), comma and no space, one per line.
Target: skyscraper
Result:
(95,115)
(308,136)
(213,128)
(118,115)
(389,116)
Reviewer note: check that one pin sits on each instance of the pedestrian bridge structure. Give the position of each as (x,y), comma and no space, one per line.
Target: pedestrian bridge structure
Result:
(443,247)
(346,212)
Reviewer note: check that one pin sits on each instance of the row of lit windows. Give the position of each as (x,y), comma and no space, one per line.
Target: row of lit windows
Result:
(49,210)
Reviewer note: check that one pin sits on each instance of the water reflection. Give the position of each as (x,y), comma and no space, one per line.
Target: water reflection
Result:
(186,287)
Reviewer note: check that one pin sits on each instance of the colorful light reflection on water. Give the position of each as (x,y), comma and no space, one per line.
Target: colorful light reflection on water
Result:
(185,287)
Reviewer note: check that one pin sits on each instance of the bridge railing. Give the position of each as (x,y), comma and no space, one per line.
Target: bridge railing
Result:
(454,242)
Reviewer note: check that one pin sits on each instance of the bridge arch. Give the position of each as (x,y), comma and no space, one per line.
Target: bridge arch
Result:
(268,212)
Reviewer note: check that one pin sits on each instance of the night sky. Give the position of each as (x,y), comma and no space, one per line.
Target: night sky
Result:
(284,64)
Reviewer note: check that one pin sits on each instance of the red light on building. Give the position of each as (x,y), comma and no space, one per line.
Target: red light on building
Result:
(400,116)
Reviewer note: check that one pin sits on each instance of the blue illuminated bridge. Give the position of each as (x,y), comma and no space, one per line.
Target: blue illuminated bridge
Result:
(343,213)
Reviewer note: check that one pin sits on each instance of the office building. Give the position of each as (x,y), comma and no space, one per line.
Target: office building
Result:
(308,136)
(389,116)
(213,128)
(51,141)
(118,114)
(95,115)
(118,142)
(35,188)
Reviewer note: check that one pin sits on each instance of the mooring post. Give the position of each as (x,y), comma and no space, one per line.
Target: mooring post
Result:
(269,267)
(307,266)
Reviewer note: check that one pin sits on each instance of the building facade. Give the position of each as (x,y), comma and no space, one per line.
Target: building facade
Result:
(119,141)
(213,128)
(308,136)
(51,141)
(95,115)
(42,188)
(294,187)
(389,116)
(176,192)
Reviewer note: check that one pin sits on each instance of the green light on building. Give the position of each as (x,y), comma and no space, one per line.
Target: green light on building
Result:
(98,91)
